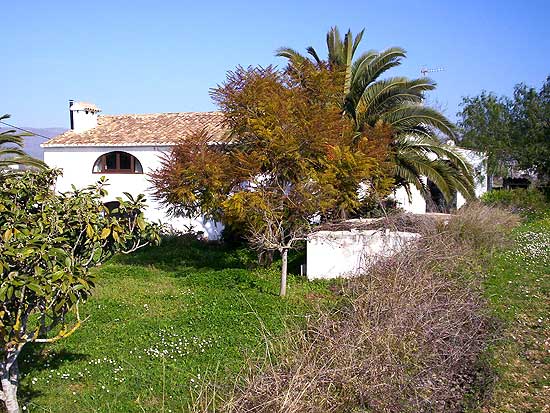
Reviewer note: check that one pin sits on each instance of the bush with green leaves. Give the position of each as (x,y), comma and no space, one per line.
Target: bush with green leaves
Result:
(48,244)
(520,200)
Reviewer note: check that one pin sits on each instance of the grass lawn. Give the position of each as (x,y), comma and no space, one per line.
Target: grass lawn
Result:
(518,288)
(161,320)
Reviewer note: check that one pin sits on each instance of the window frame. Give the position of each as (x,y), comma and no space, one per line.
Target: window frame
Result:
(102,161)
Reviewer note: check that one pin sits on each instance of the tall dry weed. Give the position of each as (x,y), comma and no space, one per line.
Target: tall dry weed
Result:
(407,336)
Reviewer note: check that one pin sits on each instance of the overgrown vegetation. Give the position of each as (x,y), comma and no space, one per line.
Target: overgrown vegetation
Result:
(409,335)
(415,334)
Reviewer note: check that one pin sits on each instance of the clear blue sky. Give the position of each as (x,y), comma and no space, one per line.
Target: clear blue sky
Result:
(163,56)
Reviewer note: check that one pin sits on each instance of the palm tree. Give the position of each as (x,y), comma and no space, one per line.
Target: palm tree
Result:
(395,101)
(11,152)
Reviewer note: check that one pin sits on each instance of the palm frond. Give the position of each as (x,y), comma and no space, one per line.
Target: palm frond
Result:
(357,40)
(407,117)
(334,46)
(292,55)
(373,66)
(13,153)
(9,138)
(347,56)
(313,53)
(452,171)
(388,94)
(362,61)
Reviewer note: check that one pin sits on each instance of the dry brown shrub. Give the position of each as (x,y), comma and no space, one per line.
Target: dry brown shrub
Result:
(482,226)
(407,337)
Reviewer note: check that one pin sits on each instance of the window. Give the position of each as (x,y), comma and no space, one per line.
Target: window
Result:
(112,205)
(117,163)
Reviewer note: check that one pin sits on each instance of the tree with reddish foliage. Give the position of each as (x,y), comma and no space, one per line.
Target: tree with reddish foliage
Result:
(290,158)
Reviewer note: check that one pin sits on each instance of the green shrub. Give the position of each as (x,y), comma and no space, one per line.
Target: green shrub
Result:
(520,200)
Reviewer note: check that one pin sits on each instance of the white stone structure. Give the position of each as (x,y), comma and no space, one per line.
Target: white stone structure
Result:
(333,254)
(125,149)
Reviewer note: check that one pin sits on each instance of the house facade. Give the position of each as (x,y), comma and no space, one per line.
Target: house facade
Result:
(125,149)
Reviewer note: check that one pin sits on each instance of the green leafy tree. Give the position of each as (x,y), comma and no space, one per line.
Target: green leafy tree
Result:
(289,159)
(486,123)
(531,128)
(513,131)
(370,100)
(11,152)
(48,244)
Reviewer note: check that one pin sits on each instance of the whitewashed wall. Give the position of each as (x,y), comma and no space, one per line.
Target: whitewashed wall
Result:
(333,254)
(417,204)
(77,164)
(478,162)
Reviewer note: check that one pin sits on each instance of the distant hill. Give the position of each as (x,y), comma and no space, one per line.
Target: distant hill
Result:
(32,143)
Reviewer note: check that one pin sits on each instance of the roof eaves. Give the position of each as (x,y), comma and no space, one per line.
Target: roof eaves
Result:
(104,145)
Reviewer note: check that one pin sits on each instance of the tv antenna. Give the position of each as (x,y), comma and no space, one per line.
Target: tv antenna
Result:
(425,70)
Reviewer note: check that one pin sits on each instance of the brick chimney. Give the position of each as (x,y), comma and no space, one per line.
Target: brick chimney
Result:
(83,115)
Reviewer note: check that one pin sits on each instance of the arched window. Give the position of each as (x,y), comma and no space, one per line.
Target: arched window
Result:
(117,163)
(112,205)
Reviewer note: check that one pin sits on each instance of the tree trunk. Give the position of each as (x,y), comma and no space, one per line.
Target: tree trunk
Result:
(284,269)
(10,381)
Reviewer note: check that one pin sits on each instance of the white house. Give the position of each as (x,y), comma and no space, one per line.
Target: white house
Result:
(125,148)
(417,204)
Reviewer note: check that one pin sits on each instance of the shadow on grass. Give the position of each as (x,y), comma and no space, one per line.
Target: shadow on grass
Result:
(39,357)
(188,255)
(210,265)
(180,252)
(25,394)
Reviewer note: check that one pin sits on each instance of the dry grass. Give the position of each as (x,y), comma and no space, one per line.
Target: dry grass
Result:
(407,337)
(482,227)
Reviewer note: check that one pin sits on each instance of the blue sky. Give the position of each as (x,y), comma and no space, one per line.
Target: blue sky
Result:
(163,56)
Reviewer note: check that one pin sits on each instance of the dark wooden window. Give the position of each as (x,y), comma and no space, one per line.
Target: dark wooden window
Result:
(117,163)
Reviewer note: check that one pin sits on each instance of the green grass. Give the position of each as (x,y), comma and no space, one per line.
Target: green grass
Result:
(518,288)
(162,320)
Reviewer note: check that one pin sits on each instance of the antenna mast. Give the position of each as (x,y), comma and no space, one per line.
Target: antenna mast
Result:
(425,70)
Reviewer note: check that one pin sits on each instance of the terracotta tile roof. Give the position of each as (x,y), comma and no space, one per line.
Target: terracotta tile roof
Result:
(142,130)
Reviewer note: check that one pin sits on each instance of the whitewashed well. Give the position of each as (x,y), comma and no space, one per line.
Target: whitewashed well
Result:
(333,254)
